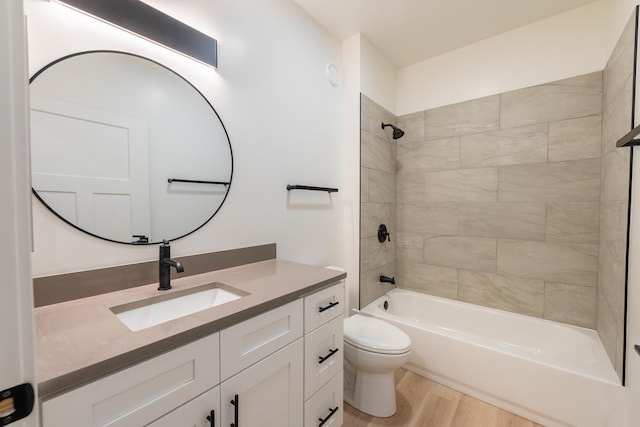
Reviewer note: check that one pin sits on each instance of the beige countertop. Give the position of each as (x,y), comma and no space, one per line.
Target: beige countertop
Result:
(80,340)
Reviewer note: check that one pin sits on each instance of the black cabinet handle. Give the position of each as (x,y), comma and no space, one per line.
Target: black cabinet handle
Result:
(212,418)
(325,308)
(331,353)
(324,420)
(235,403)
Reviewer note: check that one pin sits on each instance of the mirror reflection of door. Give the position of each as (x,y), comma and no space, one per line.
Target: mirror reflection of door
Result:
(93,166)
(115,136)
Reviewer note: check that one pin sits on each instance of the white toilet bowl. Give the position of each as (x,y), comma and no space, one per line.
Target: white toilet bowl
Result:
(373,349)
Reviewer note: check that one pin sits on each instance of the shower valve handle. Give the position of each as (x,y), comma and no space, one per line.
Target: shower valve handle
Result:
(383,234)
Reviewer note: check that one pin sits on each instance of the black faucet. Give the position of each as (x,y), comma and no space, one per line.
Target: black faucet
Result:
(385,279)
(165,266)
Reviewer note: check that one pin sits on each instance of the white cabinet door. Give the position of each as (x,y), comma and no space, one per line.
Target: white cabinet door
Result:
(195,413)
(268,393)
(142,393)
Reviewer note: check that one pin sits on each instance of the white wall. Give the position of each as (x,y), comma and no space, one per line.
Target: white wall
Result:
(283,118)
(566,45)
(378,75)
(351,166)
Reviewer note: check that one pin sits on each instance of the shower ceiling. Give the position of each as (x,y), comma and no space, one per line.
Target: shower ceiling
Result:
(409,31)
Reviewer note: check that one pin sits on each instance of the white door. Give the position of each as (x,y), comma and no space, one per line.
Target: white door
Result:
(269,393)
(17,358)
(91,167)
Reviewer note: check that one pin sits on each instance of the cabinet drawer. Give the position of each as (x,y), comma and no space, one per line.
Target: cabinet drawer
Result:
(140,394)
(323,306)
(325,408)
(246,343)
(323,355)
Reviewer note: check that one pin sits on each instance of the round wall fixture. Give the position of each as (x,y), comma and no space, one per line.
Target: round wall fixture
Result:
(334,75)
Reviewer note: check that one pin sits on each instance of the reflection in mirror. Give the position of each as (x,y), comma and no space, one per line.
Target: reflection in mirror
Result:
(125,149)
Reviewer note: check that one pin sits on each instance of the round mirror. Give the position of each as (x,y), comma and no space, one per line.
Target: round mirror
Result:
(125,149)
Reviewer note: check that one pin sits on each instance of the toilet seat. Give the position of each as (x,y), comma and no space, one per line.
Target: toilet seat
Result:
(374,335)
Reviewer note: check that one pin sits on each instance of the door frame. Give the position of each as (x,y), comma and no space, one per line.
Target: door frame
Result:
(16,304)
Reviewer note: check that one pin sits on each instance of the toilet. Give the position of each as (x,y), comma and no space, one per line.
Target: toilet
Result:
(373,349)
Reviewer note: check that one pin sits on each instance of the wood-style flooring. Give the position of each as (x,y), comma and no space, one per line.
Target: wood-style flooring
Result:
(425,403)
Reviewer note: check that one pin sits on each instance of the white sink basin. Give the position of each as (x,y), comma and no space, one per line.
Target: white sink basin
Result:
(163,308)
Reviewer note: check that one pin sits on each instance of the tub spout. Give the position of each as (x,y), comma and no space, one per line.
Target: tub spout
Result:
(385,279)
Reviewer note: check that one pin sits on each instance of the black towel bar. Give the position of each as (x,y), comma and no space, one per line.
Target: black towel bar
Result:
(311,188)
(196,181)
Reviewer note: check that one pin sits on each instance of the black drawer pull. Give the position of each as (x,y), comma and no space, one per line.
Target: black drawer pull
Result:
(333,304)
(637,348)
(212,418)
(235,404)
(331,353)
(331,412)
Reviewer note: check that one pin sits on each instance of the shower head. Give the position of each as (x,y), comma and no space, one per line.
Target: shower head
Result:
(397,132)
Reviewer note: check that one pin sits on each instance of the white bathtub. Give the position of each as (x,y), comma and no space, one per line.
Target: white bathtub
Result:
(549,372)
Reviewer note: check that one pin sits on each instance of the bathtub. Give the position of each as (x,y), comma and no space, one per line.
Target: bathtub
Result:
(549,372)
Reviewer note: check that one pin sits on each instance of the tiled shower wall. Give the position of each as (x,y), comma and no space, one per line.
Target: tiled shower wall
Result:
(498,200)
(614,196)
(516,201)
(377,199)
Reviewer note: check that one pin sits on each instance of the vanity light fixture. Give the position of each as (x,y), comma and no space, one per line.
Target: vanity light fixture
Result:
(147,22)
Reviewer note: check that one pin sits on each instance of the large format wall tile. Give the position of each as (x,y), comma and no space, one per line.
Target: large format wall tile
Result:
(515,146)
(413,126)
(410,189)
(555,262)
(620,64)
(432,218)
(382,186)
(515,294)
(378,197)
(428,155)
(617,116)
(374,214)
(372,116)
(373,253)
(615,175)
(571,304)
(410,247)
(564,99)
(377,153)
(439,281)
(577,180)
(573,222)
(472,253)
(370,286)
(462,185)
(616,121)
(364,185)
(608,329)
(575,139)
(612,255)
(478,115)
(503,220)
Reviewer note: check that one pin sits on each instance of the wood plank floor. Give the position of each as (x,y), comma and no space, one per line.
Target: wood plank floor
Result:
(425,403)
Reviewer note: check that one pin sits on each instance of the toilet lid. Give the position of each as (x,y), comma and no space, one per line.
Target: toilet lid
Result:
(375,335)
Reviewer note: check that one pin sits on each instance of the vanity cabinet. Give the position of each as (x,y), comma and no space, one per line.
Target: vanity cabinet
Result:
(280,368)
(141,394)
(262,369)
(323,355)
